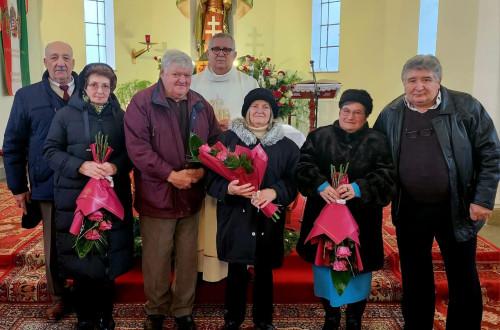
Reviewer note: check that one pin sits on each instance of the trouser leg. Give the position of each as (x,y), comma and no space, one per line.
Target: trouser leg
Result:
(186,265)
(465,305)
(55,284)
(236,293)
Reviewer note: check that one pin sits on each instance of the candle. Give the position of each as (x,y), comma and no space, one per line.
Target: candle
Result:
(148,38)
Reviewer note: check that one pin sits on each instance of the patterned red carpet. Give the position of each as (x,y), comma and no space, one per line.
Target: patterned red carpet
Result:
(131,316)
(23,292)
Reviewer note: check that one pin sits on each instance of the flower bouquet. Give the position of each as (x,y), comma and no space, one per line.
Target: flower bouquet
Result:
(95,206)
(337,235)
(278,81)
(243,164)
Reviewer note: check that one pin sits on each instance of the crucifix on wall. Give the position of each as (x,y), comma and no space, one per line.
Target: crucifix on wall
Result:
(211,17)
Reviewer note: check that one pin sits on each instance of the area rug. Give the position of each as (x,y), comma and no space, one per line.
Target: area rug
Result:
(12,236)
(131,316)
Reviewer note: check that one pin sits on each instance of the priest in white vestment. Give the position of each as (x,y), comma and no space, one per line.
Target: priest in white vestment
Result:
(225,88)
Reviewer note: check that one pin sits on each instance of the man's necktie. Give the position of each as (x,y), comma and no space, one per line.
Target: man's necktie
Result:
(65,90)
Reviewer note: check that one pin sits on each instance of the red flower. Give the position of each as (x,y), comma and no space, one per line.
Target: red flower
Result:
(93,235)
(266,72)
(277,94)
(283,88)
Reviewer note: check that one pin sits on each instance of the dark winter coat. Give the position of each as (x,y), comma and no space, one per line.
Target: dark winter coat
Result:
(29,121)
(370,166)
(156,147)
(66,149)
(470,148)
(239,225)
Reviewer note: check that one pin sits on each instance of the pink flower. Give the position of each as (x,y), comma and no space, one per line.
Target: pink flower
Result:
(343,252)
(93,235)
(204,148)
(222,155)
(96,216)
(105,225)
(340,265)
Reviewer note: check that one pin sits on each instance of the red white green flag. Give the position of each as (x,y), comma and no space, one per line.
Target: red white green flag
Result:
(14,44)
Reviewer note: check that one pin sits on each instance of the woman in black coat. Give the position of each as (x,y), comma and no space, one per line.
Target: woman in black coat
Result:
(93,109)
(244,235)
(371,175)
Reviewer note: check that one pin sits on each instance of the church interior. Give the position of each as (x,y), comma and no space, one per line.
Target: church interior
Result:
(375,40)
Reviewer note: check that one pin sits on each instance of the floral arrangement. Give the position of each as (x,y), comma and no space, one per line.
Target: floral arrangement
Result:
(243,164)
(278,81)
(337,235)
(95,206)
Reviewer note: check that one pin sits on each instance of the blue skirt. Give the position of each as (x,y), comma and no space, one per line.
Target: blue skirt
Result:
(357,289)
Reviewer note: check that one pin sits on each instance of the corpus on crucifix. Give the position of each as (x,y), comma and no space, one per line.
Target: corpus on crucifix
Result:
(211,17)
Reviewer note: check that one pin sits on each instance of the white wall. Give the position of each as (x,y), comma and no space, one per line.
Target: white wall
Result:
(486,80)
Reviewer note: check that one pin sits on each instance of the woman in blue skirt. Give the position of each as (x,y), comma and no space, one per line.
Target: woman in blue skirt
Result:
(371,173)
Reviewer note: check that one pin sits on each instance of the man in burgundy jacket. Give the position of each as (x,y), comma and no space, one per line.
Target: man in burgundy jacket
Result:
(169,194)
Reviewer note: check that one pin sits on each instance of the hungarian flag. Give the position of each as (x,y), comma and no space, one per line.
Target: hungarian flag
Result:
(14,35)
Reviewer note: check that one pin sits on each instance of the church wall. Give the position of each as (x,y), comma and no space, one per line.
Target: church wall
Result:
(376,39)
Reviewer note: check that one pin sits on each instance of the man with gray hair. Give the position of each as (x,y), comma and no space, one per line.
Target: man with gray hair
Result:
(29,177)
(169,193)
(447,152)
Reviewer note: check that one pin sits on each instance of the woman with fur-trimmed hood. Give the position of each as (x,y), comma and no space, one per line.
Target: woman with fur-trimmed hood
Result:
(244,235)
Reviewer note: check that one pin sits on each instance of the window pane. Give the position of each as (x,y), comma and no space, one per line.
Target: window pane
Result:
(322,59)
(324,36)
(100,12)
(102,54)
(102,34)
(333,58)
(91,34)
(324,14)
(334,16)
(92,54)
(90,9)
(333,35)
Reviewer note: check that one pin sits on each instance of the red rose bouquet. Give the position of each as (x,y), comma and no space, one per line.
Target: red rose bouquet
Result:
(337,235)
(95,206)
(243,164)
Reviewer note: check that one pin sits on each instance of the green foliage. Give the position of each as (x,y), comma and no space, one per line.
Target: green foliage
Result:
(195,142)
(290,240)
(125,91)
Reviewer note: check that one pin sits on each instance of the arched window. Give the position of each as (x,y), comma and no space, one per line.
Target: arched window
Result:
(325,35)
(99,31)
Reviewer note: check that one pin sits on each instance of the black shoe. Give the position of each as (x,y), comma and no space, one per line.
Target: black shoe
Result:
(154,322)
(332,322)
(264,326)
(231,325)
(185,323)
(85,325)
(106,323)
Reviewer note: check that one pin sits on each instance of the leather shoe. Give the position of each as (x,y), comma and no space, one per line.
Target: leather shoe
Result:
(264,326)
(106,323)
(231,325)
(85,325)
(185,323)
(55,311)
(154,322)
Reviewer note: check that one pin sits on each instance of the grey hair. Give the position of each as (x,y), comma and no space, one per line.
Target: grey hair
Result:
(175,56)
(423,62)
(222,35)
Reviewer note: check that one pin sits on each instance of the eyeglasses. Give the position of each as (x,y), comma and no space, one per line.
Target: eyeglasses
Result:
(356,113)
(225,50)
(96,86)
(421,132)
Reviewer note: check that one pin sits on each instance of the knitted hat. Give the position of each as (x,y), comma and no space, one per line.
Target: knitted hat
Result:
(263,94)
(357,95)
